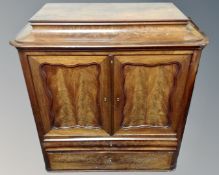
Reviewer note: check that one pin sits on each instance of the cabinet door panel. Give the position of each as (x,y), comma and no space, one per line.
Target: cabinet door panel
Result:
(148,91)
(71,90)
(147,103)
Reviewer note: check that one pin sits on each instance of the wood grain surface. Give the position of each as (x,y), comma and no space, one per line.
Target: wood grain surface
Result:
(140,35)
(110,160)
(110,84)
(147,90)
(73,92)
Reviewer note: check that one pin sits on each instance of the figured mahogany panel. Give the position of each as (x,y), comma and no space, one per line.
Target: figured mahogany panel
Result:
(147,90)
(73,94)
(70,93)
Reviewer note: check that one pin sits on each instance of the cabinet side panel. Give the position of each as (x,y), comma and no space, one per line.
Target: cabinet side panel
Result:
(193,69)
(42,127)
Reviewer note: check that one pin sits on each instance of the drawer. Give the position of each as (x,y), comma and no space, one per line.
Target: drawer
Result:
(103,160)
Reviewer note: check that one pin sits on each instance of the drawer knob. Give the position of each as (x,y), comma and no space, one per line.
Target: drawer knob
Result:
(117,99)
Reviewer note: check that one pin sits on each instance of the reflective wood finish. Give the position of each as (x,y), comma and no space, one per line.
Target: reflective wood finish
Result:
(72,88)
(65,85)
(110,92)
(164,76)
(146,104)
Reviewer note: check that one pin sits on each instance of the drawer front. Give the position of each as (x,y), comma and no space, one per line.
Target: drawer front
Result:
(110,160)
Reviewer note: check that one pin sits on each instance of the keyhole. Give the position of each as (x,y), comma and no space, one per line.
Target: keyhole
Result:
(105,99)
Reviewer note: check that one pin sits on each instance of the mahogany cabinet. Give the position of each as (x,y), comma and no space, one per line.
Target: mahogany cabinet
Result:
(110,84)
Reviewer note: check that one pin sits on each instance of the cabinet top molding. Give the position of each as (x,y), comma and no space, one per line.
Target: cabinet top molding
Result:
(110,25)
(107,12)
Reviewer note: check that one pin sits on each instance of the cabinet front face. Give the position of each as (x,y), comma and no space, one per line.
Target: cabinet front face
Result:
(72,92)
(148,90)
(124,107)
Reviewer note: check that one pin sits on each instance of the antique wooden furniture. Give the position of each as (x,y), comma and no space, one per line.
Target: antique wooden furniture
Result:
(110,84)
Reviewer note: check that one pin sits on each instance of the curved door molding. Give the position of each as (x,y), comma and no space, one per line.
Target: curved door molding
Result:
(75,93)
(147,91)
(71,91)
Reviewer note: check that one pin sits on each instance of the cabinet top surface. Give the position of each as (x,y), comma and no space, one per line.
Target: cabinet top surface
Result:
(107,12)
(109,25)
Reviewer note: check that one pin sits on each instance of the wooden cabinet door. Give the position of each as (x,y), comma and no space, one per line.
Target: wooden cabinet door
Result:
(72,94)
(148,91)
